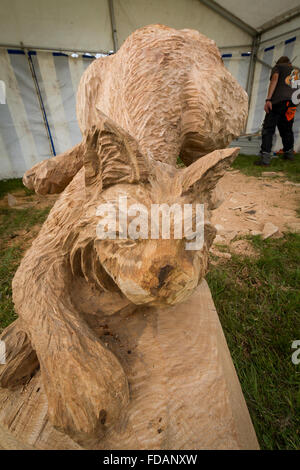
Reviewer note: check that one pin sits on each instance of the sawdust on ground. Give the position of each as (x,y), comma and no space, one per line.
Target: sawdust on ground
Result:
(19,200)
(248,204)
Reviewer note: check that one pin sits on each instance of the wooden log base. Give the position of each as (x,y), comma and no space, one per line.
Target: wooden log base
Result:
(184,391)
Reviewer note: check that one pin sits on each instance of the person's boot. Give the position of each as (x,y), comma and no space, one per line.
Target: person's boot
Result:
(265,159)
(289,155)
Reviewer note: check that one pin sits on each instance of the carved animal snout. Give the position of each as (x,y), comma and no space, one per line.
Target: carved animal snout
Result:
(163,274)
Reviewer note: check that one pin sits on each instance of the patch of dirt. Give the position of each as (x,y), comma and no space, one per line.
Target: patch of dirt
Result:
(250,203)
(19,200)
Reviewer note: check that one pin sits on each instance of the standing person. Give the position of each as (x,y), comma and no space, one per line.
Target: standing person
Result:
(280,110)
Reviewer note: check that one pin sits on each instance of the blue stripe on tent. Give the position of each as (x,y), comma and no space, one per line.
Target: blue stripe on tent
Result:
(245,54)
(15,51)
(269,48)
(226,55)
(290,40)
(59,54)
(20,51)
(85,56)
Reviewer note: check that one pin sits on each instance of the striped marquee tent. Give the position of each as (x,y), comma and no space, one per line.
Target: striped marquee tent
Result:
(45,49)
(38,119)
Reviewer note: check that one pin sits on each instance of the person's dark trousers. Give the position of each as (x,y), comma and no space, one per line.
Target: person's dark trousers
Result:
(282,116)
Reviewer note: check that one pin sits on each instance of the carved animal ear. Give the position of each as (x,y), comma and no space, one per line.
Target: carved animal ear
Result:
(205,172)
(111,156)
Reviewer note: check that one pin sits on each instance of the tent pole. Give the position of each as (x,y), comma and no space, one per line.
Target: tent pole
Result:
(113,24)
(253,59)
(40,100)
(251,71)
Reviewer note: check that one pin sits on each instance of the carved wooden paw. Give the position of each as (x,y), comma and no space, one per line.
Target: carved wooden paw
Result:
(86,389)
(42,178)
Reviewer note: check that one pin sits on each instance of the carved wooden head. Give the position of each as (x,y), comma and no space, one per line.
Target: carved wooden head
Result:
(170,89)
(148,269)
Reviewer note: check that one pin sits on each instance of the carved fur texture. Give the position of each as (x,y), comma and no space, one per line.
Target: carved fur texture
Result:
(164,93)
(168,88)
(85,384)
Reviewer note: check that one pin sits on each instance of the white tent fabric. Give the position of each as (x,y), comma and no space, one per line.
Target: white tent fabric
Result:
(238,65)
(38,91)
(61,24)
(25,136)
(258,12)
(86,26)
(269,54)
(179,14)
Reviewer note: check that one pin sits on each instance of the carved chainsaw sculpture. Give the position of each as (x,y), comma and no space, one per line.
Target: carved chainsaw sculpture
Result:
(83,303)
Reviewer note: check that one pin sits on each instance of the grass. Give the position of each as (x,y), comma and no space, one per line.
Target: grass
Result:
(244,163)
(13,184)
(11,252)
(13,221)
(10,258)
(258,302)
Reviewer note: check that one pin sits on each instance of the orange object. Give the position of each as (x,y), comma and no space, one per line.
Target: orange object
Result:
(290,113)
(281,152)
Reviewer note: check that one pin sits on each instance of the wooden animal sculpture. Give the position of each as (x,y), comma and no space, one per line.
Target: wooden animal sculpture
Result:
(86,304)
(84,382)
(167,88)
